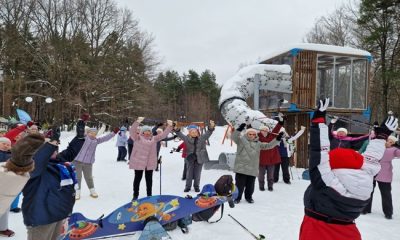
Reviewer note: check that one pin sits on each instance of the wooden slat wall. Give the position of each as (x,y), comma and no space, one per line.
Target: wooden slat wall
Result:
(304,87)
(304,79)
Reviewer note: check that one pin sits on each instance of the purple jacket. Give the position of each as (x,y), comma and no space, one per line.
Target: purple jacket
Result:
(88,151)
(386,172)
(144,152)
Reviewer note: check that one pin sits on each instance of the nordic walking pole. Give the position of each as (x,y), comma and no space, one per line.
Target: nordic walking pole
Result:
(260,236)
(159,160)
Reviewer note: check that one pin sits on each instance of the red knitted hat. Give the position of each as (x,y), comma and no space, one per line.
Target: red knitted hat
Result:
(345,158)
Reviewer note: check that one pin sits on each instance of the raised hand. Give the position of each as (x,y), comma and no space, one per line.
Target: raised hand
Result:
(320,113)
(212,124)
(280,119)
(170,123)
(386,128)
(116,130)
(140,119)
(334,119)
(241,127)
(280,135)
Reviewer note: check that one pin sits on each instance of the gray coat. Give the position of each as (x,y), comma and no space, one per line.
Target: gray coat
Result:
(248,153)
(201,151)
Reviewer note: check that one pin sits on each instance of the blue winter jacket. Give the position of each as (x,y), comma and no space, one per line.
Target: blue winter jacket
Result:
(283,150)
(4,156)
(45,201)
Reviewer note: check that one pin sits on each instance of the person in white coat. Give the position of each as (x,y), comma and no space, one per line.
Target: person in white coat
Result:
(15,172)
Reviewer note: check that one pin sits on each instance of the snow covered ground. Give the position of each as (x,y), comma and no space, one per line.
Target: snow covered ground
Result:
(277,214)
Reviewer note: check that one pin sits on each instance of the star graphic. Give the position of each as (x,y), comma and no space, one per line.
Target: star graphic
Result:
(135,203)
(174,202)
(121,227)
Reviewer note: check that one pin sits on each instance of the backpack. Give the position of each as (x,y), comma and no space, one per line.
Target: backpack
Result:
(224,185)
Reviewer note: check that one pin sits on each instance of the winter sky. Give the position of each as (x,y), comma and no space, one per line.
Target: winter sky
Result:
(222,34)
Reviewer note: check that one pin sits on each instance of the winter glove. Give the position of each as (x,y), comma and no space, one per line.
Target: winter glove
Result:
(334,119)
(386,128)
(80,129)
(175,136)
(280,135)
(85,117)
(280,119)
(212,124)
(170,123)
(241,127)
(116,130)
(303,128)
(55,134)
(30,124)
(320,113)
(140,119)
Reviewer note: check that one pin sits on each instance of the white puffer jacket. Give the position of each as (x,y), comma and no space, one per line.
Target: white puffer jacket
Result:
(11,185)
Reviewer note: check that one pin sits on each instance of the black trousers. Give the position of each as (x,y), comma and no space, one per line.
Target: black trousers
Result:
(130,147)
(386,194)
(149,182)
(285,170)
(245,183)
(121,153)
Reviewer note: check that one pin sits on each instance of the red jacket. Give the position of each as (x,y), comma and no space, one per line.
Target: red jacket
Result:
(270,156)
(183,147)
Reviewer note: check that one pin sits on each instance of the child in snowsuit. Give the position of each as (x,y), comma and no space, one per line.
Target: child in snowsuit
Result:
(5,146)
(14,174)
(121,144)
(86,157)
(385,177)
(196,154)
(247,160)
(341,181)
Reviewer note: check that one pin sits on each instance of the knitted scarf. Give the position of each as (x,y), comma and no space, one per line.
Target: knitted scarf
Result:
(67,174)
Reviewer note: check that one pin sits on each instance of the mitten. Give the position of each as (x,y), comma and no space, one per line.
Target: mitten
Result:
(140,119)
(56,133)
(386,128)
(241,127)
(30,124)
(116,130)
(320,113)
(280,135)
(85,117)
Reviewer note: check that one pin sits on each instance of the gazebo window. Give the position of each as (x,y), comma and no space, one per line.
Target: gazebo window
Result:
(343,80)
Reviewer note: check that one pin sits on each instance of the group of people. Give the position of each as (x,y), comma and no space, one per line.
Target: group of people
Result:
(342,180)
(51,181)
(261,153)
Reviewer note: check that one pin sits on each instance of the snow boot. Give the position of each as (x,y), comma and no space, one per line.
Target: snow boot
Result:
(93,193)
(15,210)
(78,194)
(7,233)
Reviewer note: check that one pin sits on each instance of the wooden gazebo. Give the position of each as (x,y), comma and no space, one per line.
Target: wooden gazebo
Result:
(319,71)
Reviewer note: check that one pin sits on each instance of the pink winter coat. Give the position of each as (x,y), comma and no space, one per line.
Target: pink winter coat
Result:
(144,152)
(386,172)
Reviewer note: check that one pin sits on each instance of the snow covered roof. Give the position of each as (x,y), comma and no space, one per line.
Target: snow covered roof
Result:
(294,49)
